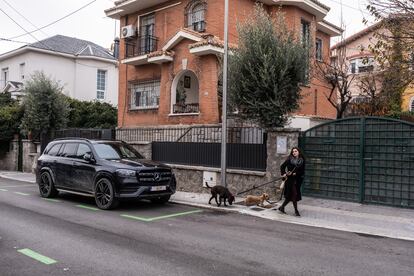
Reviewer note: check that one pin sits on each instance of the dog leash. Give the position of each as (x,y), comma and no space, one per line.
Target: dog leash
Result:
(261,185)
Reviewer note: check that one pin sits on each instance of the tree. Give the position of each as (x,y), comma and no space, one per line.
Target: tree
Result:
(93,114)
(10,117)
(266,70)
(46,108)
(337,77)
(395,46)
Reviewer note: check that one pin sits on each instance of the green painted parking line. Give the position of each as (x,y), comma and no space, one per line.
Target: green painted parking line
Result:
(161,217)
(38,257)
(87,207)
(52,200)
(19,193)
(3,190)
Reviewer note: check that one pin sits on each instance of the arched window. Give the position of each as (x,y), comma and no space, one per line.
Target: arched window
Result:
(195,16)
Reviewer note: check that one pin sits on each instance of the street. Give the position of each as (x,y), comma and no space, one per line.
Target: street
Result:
(70,236)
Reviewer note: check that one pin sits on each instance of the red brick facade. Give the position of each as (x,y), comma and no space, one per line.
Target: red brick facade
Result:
(169,20)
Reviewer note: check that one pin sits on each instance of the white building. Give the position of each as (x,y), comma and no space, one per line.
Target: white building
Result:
(86,70)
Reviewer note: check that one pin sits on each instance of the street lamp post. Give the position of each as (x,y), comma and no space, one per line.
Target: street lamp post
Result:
(224,107)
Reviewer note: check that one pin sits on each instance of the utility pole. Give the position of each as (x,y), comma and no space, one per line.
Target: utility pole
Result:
(224,107)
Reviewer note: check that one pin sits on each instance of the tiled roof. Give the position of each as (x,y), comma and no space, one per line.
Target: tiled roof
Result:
(160,53)
(73,46)
(209,39)
(357,35)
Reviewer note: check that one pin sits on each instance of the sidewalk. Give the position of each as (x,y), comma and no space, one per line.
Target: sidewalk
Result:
(338,215)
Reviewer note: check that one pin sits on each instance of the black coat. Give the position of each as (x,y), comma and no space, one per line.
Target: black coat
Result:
(294,182)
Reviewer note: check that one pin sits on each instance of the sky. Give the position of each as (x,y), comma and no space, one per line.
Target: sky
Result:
(91,24)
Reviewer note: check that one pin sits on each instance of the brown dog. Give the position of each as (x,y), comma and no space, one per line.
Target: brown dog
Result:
(256,200)
(222,193)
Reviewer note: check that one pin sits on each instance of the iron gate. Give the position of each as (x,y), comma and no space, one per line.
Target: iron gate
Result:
(367,159)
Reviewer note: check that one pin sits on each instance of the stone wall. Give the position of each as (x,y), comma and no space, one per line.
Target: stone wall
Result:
(9,160)
(190,178)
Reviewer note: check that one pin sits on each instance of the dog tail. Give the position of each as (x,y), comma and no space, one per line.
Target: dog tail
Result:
(207,185)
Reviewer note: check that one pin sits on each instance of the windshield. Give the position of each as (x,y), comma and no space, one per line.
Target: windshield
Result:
(111,151)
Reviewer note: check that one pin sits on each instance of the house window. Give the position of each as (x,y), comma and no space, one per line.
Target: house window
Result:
(318,49)
(21,70)
(145,95)
(195,14)
(147,40)
(362,65)
(353,67)
(100,84)
(4,76)
(411,107)
(305,34)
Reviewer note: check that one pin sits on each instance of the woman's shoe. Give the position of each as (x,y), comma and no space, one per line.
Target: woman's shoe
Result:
(282,209)
(297,213)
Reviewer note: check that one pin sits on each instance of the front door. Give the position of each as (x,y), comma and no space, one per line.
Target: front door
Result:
(63,165)
(83,171)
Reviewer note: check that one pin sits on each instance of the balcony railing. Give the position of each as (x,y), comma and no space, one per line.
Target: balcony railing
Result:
(186,108)
(141,46)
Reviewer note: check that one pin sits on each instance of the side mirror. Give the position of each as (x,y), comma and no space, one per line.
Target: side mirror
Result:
(88,157)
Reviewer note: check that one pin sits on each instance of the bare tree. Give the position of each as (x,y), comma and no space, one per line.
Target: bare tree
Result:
(336,75)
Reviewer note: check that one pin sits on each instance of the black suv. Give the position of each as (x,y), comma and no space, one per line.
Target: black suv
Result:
(106,170)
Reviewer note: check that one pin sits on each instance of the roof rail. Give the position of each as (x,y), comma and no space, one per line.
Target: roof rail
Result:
(71,138)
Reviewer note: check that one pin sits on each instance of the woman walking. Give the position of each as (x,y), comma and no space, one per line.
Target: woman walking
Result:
(293,169)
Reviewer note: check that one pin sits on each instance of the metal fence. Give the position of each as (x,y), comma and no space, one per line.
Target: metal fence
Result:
(194,134)
(239,156)
(366,159)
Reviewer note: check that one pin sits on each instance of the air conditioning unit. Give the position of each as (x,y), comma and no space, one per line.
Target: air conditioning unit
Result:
(128,31)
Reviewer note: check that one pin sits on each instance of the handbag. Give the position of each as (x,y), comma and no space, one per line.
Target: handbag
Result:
(282,185)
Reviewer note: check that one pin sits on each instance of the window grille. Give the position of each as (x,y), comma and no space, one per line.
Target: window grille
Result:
(145,95)
(195,16)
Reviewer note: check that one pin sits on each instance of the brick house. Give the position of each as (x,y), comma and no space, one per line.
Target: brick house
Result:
(169,57)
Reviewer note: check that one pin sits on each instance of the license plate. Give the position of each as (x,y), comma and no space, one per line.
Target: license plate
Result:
(158,188)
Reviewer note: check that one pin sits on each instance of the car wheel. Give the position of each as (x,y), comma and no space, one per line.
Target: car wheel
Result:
(161,199)
(105,194)
(46,186)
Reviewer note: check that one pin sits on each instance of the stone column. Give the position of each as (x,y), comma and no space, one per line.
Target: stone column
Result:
(274,157)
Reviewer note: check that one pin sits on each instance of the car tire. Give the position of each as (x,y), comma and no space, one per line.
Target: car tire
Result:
(105,194)
(46,186)
(161,199)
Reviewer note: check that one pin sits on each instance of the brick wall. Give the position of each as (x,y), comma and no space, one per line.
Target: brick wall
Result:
(168,22)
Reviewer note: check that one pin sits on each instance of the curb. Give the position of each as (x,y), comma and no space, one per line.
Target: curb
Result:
(13,178)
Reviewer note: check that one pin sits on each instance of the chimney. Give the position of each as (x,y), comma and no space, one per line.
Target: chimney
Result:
(116,47)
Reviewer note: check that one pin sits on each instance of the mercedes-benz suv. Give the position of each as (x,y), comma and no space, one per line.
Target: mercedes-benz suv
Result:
(106,170)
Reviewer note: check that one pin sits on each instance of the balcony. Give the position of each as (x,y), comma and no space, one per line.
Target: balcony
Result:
(185,108)
(142,46)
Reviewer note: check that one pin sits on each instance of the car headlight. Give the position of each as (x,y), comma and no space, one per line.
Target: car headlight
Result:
(125,173)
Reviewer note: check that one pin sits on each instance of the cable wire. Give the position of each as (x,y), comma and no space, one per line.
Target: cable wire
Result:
(54,22)
(8,4)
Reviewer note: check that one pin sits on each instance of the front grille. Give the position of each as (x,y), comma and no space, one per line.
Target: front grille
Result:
(154,176)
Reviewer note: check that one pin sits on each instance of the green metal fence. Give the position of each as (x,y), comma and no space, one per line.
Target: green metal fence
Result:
(368,159)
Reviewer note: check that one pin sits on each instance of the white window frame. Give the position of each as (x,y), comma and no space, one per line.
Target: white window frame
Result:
(359,63)
(5,76)
(22,69)
(99,90)
(411,106)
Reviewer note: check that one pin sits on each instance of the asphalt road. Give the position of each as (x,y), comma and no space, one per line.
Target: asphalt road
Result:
(71,237)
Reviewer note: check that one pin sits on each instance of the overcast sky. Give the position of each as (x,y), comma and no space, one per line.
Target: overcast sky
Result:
(91,24)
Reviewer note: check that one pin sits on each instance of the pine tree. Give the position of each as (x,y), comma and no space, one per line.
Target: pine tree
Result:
(266,70)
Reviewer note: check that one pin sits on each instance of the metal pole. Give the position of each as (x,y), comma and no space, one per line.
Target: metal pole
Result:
(224,107)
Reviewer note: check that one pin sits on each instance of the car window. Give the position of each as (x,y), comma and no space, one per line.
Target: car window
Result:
(69,150)
(54,150)
(82,150)
(116,151)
